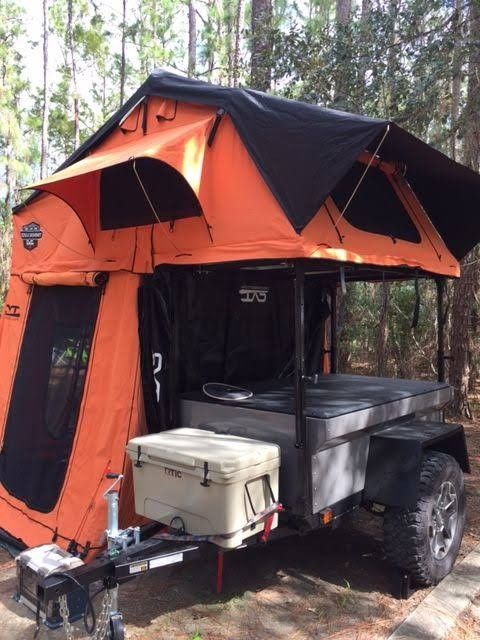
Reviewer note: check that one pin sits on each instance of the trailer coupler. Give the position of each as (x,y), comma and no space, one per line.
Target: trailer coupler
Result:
(62,597)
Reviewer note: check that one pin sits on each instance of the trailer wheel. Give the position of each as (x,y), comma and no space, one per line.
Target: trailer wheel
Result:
(425,540)
(117,630)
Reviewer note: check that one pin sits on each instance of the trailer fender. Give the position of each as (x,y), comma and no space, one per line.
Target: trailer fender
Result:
(393,466)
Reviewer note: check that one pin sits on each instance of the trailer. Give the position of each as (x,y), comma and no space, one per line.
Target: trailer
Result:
(344,442)
(169,342)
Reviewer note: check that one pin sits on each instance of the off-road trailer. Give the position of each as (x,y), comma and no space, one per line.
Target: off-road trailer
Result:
(346,441)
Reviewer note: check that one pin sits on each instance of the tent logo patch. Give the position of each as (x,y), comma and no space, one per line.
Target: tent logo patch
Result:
(253,294)
(31,233)
(12,311)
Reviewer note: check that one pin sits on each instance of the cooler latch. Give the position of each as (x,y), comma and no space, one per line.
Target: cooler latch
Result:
(138,462)
(205,482)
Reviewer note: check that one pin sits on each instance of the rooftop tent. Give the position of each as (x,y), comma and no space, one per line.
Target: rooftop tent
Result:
(303,151)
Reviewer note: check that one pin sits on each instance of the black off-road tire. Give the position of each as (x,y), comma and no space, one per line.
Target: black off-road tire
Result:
(406,532)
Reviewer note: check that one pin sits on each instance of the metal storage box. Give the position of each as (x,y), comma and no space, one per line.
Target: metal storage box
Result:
(210,484)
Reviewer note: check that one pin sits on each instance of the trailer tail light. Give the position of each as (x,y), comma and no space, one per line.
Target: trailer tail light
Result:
(326,516)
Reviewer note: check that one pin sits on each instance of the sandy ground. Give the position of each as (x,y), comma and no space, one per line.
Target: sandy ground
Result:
(329,584)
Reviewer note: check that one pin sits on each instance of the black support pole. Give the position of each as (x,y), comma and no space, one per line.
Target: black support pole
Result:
(300,418)
(333,328)
(299,284)
(440,282)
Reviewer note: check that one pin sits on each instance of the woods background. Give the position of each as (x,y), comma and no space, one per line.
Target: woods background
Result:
(413,61)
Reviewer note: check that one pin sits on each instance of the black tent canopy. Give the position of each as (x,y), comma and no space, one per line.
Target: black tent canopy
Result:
(303,151)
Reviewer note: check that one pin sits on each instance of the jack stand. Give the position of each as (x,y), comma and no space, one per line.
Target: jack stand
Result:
(402,585)
(117,539)
(116,630)
(220,555)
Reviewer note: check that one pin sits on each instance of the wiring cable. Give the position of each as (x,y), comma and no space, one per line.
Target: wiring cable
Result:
(89,612)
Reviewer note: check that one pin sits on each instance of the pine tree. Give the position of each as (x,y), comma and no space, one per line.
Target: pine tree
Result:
(261,47)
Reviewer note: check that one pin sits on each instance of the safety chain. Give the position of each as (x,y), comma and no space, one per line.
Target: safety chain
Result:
(65,615)
(103,618)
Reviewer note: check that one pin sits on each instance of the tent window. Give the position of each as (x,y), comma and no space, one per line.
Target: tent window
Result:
(71,348)
(375,207)
(123,202)
(47,393)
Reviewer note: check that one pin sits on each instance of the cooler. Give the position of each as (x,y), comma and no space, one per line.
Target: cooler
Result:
(207,483)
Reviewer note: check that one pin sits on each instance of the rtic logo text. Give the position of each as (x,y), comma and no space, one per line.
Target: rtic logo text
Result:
(173,473)
(253,294)
(12,310)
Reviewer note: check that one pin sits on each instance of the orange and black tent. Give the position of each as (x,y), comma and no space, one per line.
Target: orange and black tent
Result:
(184,178)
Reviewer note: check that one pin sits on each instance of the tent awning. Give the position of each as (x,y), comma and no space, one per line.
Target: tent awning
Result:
(154,178)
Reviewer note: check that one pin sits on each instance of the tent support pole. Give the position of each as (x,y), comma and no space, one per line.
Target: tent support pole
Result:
(300,421)
(333,328)
(440,282)
(174,351)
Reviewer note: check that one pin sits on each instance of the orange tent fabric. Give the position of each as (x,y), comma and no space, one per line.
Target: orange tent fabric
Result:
(111,412)
(181,147)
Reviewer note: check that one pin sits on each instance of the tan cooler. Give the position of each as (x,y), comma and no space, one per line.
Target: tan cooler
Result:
(208,480)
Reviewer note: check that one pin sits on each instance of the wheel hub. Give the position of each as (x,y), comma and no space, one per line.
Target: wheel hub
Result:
(443,521)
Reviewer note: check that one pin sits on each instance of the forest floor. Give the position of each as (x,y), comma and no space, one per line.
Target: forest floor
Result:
(324,585)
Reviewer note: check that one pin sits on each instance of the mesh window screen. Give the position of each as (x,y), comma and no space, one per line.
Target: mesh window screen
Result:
(47,393)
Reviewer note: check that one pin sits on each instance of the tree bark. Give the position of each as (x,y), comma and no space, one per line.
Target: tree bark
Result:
(382,330)
(344,320)
(364,54)
(73,69)
(467,287)
(45,96)
(122,54)
(192,39)
(261,44)
(343,10)
(460,342)
(236,48)
(392,62)
(456,77)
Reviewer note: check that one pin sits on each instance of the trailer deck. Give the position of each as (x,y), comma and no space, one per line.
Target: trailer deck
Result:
(336,395)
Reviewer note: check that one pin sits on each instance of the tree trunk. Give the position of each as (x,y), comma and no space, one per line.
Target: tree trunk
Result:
(344,320)
(343,10)
(364,56)
(6,223)
(236,48)
(460,342)
(192,39)
(261,44)
(122,54)
(73,68)
(456,77)
(382,330)
(45,96)
(467,287)
(392,62)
